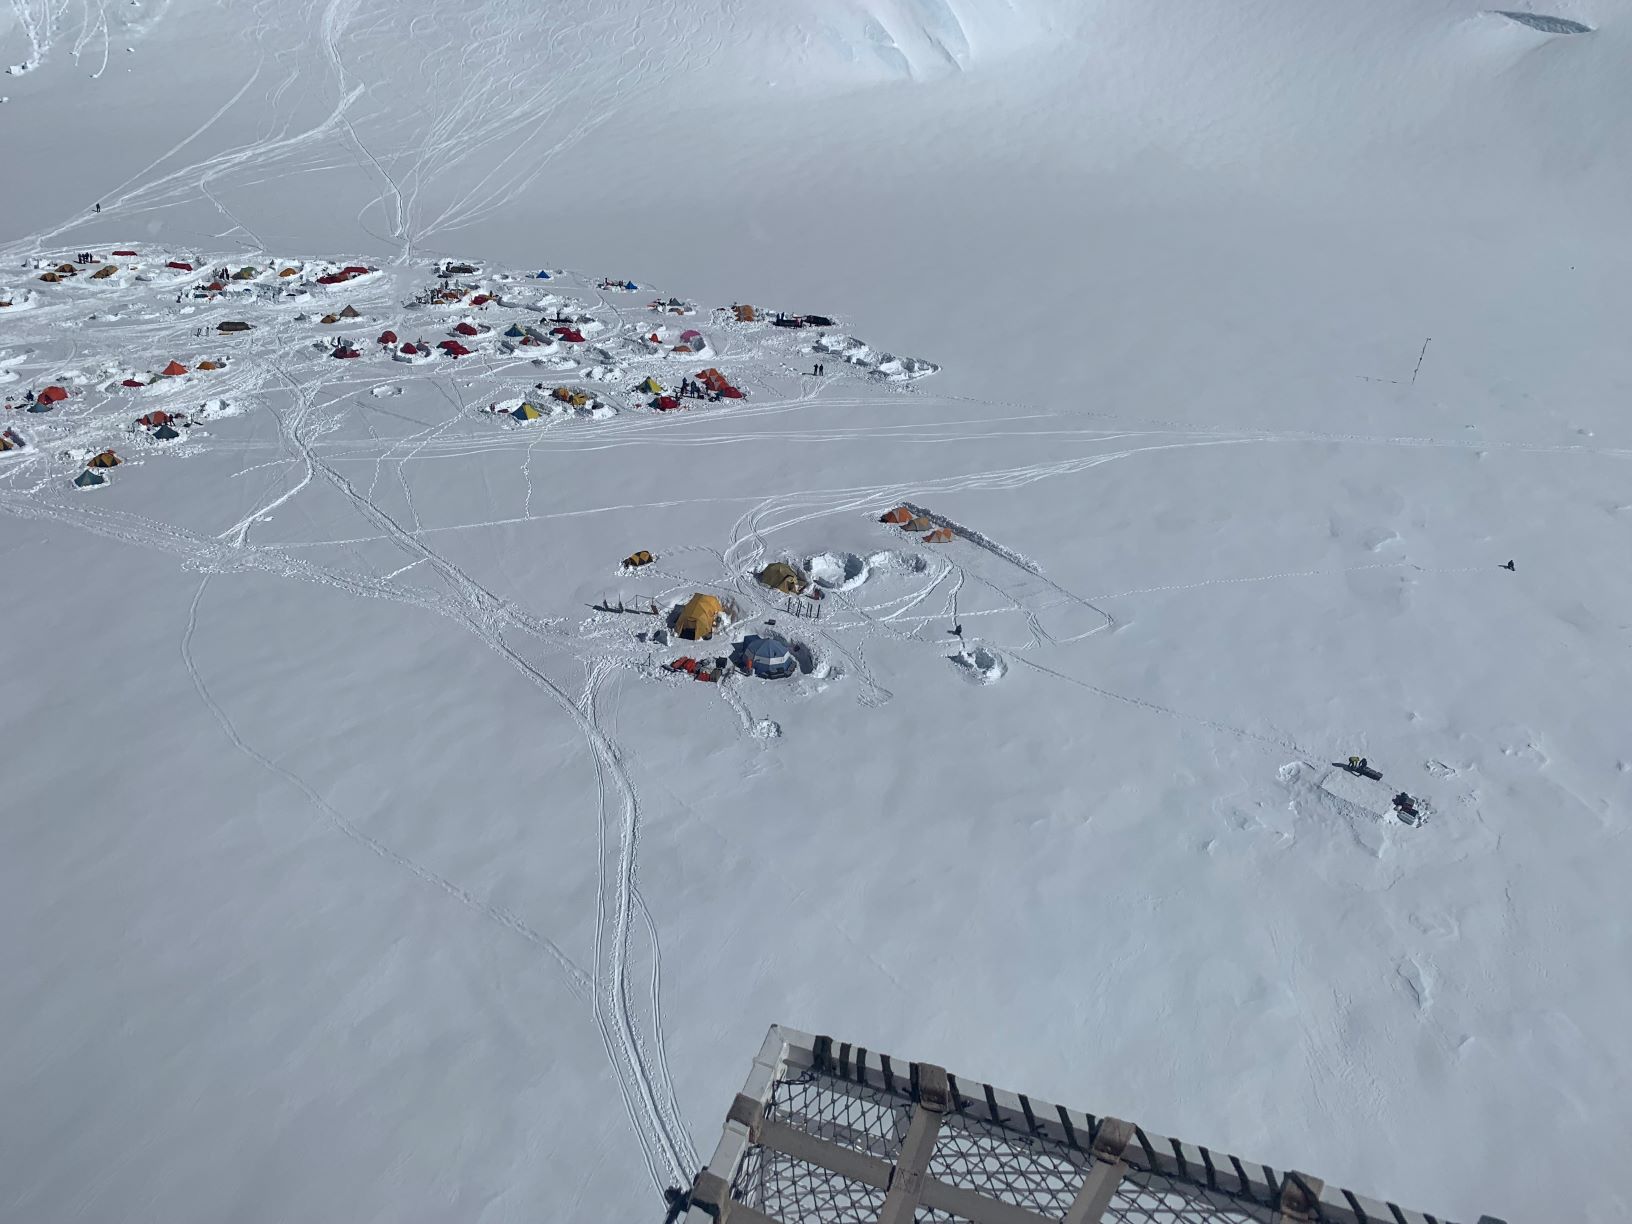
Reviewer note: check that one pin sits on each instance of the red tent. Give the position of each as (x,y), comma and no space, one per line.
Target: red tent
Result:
(52,395)
(174,369)
(214,287)
(409,349)
(355,270)
(388,337)
(481,299)
(665,403)
(454,349)
(333,278)
(132,382)
(124,252)
(179,266)
(730,392)
(345,351)
(570,334)
(467,329)
(153,420)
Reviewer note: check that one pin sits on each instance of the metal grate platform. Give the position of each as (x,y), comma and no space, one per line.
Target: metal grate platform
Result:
(824,1133)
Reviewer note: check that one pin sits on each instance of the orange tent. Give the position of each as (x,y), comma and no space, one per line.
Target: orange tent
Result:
(174,369)
(941,535)
(106,459)
(53,395)
(897,516)
(209,365)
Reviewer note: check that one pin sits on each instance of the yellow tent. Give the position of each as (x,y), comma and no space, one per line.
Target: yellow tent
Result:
(289,272)
(637,559)
(527,412)
(106,459)
(780,576)
(696,620)
(105,271)
(330,318)
(571,395)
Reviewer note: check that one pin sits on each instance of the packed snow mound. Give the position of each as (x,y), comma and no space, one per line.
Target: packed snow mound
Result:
(863,356)
(1544,23)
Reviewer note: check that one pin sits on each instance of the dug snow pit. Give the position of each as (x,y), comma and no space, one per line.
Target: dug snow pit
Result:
(1375,799)
(766,728)
(837,571)
(1545,24)
(980,664)
(382,392)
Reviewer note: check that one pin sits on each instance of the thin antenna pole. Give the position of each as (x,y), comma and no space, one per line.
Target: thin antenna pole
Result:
(1420,356)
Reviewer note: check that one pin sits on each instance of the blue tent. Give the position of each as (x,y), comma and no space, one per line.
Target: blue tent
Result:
(767,658)
(630,285)
(40,405)
(543,275)
(514,331)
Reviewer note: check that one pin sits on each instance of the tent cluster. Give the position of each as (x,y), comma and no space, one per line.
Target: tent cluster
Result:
(161,426)
(620,286)
(350,272)
(907,519)
(718,384)
(673,306)
(811,320)
(572,396)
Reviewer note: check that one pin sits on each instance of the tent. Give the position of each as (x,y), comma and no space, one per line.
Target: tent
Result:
(67,269)
(637,559)
(153,420)
(330,318)
(50,278)
(651,386)
(165,433)
(355,270)
(245,273)
(527,412)
(920,523)
(89,479)
(898,516)
(287,272)
(514,331)
(133,382)
(232,325)
(570,334)
(7,443)
(543,276)
(132,254)
(571,395)
(342,351)
(106,459)
(745,313)
(388,337)
(766,657)
(209,365)
(466,329)
(179,265)
(351,312)
(454,349)
(665,403)
(53,395)
(41,405)
(941,535)
(174,370)
(781,576)
(695,620)
(103,273)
